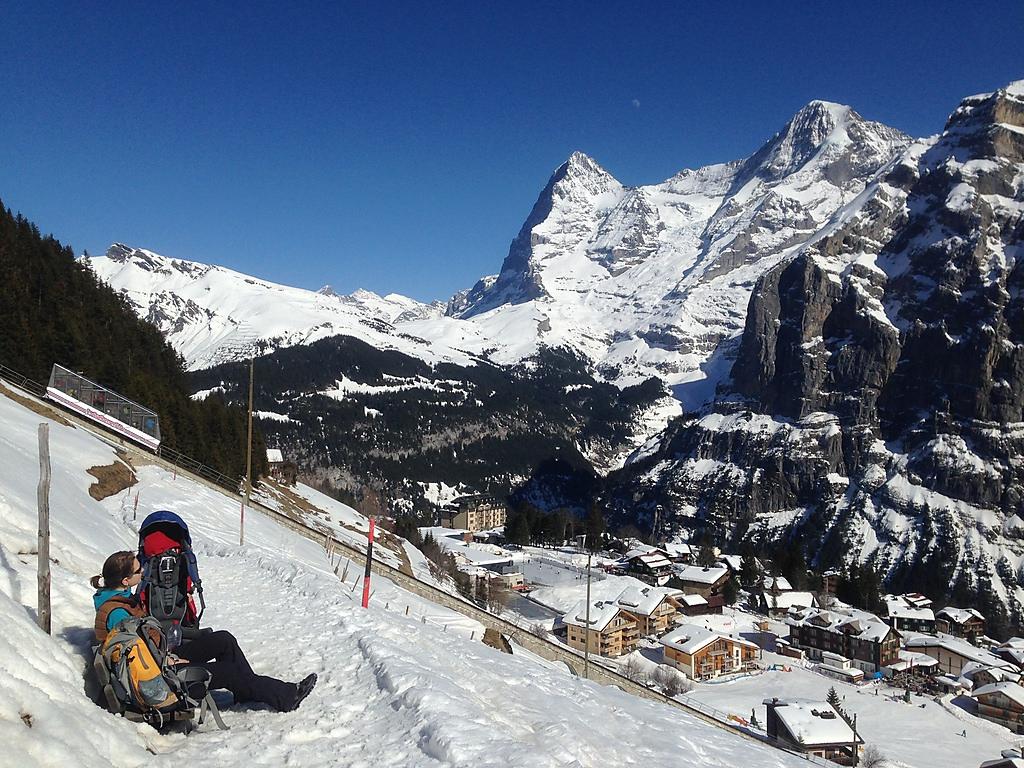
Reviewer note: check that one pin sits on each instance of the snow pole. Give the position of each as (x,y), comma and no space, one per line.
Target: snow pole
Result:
(369,562)
(43,547)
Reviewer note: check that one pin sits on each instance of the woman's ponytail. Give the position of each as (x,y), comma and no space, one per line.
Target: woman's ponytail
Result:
(117,567)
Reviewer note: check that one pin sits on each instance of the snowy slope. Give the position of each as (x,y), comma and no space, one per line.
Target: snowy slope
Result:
(212,314)
(395,690)
(644,281)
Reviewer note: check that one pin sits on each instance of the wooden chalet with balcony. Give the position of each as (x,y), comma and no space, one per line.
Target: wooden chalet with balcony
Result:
(611,631)
(1002,703)
(702,654)
(653,608)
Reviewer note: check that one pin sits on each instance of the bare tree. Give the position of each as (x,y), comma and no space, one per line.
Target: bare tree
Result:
(497,597)
(634,670)
(669,681)
(540,629)
(872,757)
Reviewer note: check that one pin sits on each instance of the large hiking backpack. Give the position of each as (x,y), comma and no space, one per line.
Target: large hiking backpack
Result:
(170,574)
(138,682)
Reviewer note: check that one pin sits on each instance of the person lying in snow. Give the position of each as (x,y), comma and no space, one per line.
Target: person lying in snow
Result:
(217,652)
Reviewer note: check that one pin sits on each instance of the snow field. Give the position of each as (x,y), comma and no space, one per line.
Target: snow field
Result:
(394,690)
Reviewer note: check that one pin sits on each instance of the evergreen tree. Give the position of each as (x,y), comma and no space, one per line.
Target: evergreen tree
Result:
(833,698)
(706,556)
(517,528)
(730,591)
(53,309)
(749,572)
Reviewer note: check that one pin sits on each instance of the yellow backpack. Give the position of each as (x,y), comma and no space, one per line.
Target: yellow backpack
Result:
(138,683)
(134,654)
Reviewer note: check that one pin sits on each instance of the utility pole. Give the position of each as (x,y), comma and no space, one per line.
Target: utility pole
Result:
(856,755)
(586,651)
(248,459)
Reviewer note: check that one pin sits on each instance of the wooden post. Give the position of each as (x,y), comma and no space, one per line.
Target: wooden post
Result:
(369,563)
(248,462)
(43,501)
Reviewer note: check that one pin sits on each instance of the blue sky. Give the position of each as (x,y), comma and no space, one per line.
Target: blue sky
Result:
(399,147)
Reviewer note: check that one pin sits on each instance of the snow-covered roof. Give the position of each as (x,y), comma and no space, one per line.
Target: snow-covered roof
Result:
(912,660)
(1004,762)
(911,599)
(960,615)
(690,638)
(699,575)
(693,600)
(850,621)
(787,600)
(646,600)
(814,723)
(601,614)
(954,645)
(954,682)
(653,560)
(732,562)
(1006,672)
(676,549)
(897,608)
(274,455)
(1011,690)
(475,555)
(780,583)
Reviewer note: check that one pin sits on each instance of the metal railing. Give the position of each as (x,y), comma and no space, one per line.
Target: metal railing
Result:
(195,467)
(24,382)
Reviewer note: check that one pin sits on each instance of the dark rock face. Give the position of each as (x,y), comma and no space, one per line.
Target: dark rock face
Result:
(876,401)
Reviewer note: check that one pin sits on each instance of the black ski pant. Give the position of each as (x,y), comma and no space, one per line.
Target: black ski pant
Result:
(218,652)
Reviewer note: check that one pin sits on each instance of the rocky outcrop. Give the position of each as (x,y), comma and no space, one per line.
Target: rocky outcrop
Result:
(876,403)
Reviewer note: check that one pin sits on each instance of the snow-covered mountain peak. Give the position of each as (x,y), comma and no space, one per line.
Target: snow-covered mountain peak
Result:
(580,183)
(211,314)
(643,281)
(122,254)
(581,172)
(828,135)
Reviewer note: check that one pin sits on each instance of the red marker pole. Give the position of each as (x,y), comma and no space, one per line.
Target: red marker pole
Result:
(369,561)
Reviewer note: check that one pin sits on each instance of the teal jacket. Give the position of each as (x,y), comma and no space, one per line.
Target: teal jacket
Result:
(118,614)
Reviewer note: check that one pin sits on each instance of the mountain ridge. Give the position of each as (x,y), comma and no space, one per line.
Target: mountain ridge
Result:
(642,281)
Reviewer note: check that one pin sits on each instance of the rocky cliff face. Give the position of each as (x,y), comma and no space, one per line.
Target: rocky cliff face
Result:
(875,406)
(649,280)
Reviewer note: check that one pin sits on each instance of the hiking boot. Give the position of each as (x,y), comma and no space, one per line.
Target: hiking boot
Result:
(302,690)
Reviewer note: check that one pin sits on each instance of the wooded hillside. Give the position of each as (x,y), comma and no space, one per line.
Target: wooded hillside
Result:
(54,310)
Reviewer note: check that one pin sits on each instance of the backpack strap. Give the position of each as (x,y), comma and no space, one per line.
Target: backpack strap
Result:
(209,703)
(184,676)
(117,671)
(103,614)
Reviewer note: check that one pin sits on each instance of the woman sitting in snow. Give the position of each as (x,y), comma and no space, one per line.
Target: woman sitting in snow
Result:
(218,652)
